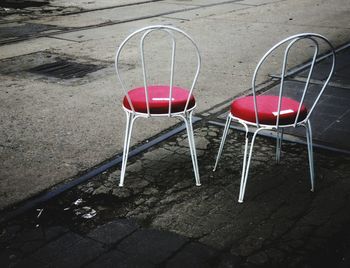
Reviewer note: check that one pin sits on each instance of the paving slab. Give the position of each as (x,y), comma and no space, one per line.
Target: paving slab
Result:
(341,73)
(329,119)
(192,255)
(115,258)
(113,232)
(69,250)
(30,240)
(28,262)
(151,245)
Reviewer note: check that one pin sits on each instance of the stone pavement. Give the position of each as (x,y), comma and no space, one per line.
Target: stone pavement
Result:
(54,128)
(330,120)
(161,219)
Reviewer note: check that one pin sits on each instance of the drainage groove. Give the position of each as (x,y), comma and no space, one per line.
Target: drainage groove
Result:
(65,69)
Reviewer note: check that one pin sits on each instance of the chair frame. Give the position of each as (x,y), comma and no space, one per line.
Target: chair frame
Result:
(277,127)
(132,115)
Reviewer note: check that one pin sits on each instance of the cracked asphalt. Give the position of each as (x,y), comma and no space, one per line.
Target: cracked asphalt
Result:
(280,224)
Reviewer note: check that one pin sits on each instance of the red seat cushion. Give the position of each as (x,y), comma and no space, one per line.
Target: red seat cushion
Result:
(243,108)
(158,97)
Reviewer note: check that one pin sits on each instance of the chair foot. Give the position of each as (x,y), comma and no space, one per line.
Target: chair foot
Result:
(189,127)
(312,190)
(240,201)
(121,185)
(224,135)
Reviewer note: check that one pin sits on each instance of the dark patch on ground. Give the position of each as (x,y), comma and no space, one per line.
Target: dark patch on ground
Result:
(22,3)
(280,224)
(65,69)
(52,67)
(24,30)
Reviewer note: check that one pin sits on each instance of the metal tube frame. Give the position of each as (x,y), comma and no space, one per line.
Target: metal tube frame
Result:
(278,127)
(132,115)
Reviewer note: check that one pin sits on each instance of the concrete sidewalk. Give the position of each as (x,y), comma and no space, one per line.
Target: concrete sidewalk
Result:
(54,128)
(161,219)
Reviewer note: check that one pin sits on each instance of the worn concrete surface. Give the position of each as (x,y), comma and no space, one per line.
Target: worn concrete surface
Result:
(161,219)
(52,130)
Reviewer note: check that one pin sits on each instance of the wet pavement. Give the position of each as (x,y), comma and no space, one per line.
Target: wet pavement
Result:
(330,120)
(161,219)
(56,126)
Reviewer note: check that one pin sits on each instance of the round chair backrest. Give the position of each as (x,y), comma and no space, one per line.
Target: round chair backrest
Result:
(172,33)
(289,43)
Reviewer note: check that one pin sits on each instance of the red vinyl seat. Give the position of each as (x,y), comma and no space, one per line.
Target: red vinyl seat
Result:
(158,99)
(267,107)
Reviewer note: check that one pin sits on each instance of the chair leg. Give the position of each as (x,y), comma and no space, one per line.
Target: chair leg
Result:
(189,128)
(279,138)
(310,154)
(223,139)
(246,166)
(129,123)
(240,200)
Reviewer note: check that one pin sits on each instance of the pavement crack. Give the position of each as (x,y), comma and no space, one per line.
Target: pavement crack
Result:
(65,39)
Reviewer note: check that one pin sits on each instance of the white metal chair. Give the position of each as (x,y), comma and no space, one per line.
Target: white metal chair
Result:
(159,100)
(266,112)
